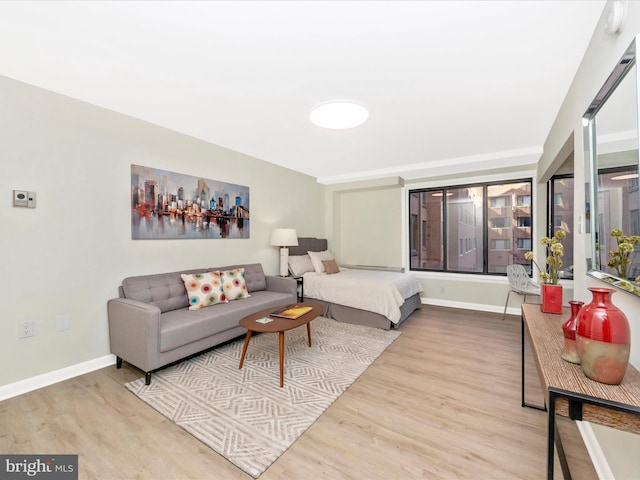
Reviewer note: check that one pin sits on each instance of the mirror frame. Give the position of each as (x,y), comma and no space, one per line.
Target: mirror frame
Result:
(622,68)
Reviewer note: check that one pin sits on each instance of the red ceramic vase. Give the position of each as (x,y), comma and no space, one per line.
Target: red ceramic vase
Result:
(570,351)
(603,338)
(551,298)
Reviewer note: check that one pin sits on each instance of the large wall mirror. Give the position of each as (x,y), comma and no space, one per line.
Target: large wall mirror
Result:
(611,133)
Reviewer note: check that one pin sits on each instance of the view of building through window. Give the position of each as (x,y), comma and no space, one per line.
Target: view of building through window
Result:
(561,218)
(618,196)
(480,228)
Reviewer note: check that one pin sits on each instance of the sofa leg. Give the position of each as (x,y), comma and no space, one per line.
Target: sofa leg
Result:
(118,362)
(147,378)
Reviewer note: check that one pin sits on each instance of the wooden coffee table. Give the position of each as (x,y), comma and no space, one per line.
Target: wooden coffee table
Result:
(278,325)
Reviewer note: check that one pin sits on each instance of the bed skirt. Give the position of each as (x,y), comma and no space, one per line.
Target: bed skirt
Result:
(344,314)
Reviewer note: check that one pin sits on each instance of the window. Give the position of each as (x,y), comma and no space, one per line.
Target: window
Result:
(500,202)
(560,189)
(427,208)
(413,225)
(558,199)
(524,200)
(524,221)
(472,228)
(500,244)
(501,222)
(617,199)
(464,209)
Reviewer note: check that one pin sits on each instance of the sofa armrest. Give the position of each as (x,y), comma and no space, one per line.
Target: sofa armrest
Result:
(134,332)
(282,284)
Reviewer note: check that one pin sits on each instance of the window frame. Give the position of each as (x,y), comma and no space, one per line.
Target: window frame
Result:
(551,209)
(486,227)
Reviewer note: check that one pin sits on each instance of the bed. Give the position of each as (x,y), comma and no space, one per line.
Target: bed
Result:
(375,298)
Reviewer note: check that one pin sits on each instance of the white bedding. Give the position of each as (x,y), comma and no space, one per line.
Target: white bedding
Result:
(372,290)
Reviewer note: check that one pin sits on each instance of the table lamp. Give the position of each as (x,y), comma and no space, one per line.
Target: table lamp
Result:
(283,238)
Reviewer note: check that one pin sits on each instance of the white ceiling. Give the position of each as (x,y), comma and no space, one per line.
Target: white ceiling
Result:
(450,85)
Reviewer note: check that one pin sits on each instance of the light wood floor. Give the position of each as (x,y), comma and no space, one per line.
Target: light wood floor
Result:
(442,402)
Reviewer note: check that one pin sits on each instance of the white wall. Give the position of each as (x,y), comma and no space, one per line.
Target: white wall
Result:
(371,217)
(68,255)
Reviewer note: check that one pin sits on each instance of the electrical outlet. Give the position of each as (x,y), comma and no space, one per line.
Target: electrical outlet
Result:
(25,329)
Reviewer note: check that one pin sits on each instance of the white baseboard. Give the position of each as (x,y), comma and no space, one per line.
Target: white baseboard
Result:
(49,378)
(595,452)
(480,307)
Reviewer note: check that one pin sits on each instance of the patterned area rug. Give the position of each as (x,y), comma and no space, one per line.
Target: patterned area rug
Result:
(244,415)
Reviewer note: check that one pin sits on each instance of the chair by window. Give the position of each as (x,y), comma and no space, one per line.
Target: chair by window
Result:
(520,283)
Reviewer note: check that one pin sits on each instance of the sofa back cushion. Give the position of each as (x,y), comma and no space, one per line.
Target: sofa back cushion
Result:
(164,290)
(253,275)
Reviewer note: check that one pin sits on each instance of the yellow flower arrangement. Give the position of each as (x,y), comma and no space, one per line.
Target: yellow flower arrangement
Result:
(619,258)
(555,250)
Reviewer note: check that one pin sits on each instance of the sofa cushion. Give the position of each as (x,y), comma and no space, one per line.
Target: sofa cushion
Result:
(181,327)
(164,290)
(234,286)
(204,289)
(253,275)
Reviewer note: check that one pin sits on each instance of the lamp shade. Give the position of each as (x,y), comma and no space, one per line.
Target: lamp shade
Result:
(284,237)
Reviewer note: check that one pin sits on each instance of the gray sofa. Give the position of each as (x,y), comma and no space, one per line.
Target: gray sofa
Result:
(151,326)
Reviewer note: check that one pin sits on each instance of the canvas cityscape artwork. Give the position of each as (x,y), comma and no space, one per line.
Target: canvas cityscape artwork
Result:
(169,205)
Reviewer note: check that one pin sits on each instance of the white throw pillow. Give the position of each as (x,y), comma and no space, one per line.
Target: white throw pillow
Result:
(318,257)
(300,264)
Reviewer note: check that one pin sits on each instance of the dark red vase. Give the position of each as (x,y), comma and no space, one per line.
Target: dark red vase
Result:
(570,350)
(603,338)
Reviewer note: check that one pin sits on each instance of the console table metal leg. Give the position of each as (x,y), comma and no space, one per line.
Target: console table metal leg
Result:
(551,429)
(561,455)
(555,441)
(522,377)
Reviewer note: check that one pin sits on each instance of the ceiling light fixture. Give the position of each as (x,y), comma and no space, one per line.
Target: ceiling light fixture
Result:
(626,176)
(338,115)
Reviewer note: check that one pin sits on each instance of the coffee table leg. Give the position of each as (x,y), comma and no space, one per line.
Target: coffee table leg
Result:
(281,341)
(309,332)
(244,348)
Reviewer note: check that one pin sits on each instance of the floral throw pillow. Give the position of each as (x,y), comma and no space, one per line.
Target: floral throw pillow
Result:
(234,286)
(203,289)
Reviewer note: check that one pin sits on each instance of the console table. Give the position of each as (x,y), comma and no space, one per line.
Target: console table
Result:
(568,391)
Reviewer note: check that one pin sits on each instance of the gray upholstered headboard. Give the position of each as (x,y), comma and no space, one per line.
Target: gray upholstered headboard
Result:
(308,244)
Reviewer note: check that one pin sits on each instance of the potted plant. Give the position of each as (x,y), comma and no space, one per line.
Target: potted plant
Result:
(619,259)
(551,291)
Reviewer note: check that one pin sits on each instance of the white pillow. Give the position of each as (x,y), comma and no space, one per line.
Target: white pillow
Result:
(300,264)
(318,257)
